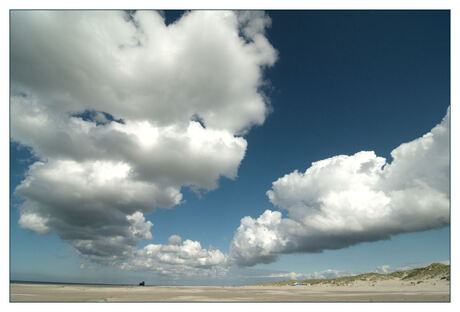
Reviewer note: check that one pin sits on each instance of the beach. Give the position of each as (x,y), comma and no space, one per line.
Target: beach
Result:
(381,291)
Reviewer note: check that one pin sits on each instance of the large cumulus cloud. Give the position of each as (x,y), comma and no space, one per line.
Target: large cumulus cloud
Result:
(135,67)
(346,200)
(123,111)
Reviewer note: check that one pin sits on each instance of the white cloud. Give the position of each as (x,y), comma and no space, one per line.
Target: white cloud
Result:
(140,69)
(180,96)
(346,200)
(329,273)
(167,155)
(71,197)
(178,258)
(174,240)
(258,240)
(290,275)
(383,268)
(34,222)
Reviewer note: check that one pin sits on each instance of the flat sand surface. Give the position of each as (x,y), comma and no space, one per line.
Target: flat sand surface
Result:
(385,291)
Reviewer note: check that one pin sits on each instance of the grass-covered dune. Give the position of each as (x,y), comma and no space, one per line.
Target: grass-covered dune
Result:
(433,271)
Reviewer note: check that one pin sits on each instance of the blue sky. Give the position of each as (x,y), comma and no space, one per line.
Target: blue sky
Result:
(340,82)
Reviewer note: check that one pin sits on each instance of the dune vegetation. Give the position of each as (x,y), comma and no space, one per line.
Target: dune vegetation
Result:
(433,271)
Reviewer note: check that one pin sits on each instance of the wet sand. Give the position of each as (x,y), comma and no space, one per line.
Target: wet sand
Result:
(386,291)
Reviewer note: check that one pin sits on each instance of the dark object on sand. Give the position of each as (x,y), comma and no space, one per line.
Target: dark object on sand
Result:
(142,283)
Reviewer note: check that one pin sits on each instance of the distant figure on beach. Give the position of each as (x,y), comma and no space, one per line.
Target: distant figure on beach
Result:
(142,283)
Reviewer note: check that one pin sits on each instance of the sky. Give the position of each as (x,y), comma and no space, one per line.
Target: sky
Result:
(227,148)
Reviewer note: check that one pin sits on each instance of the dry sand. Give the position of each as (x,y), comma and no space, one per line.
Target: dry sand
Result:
(382,291)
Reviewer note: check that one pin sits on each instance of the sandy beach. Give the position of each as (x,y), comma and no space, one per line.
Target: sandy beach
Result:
(382,291)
